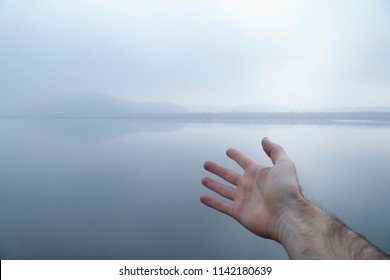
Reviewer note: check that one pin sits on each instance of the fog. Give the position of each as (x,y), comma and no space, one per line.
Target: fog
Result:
(108,110)
(301,54)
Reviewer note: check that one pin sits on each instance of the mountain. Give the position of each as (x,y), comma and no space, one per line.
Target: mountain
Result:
(373,109)
(206,109)
(250,108)
(259,108)
(101,106)
(97,105)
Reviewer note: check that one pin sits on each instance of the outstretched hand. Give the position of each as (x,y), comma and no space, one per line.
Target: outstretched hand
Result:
(268,202)
(261,195)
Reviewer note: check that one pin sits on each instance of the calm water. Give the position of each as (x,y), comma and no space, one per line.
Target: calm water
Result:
(122,189)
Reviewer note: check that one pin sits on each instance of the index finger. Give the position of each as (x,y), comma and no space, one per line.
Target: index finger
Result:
(242,159)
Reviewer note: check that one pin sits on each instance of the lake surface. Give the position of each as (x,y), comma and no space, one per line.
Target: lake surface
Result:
(129,189)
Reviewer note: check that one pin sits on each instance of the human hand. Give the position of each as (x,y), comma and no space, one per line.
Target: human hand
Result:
(268,202)
(262,194)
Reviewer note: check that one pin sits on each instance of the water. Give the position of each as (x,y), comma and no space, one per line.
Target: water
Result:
(127,189)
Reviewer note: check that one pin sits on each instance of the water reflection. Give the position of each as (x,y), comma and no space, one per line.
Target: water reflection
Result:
(95,129)
(100,129)
(120,189)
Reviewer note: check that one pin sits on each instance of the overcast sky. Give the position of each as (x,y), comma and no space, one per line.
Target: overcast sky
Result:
(303,54)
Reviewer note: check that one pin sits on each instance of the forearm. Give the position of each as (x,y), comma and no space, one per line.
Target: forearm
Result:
(307,232)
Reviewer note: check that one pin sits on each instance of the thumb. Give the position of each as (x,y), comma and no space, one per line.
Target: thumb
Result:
(274,151)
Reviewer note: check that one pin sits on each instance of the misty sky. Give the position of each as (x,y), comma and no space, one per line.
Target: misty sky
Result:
(302,54)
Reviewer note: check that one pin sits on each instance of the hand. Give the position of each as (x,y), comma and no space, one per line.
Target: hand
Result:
(268,202)
(262,194)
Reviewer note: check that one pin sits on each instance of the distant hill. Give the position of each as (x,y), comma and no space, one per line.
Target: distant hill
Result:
(250,108)
(100,106)
(97,105)
(372,109)
(258,108)
(267,108)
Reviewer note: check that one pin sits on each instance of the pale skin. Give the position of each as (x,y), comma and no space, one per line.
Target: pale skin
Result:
(268,202)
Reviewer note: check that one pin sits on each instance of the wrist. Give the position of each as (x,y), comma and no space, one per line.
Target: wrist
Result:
(307,232)
(299,229)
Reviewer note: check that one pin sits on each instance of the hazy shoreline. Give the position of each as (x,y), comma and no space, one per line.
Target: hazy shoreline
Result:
(366,118)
